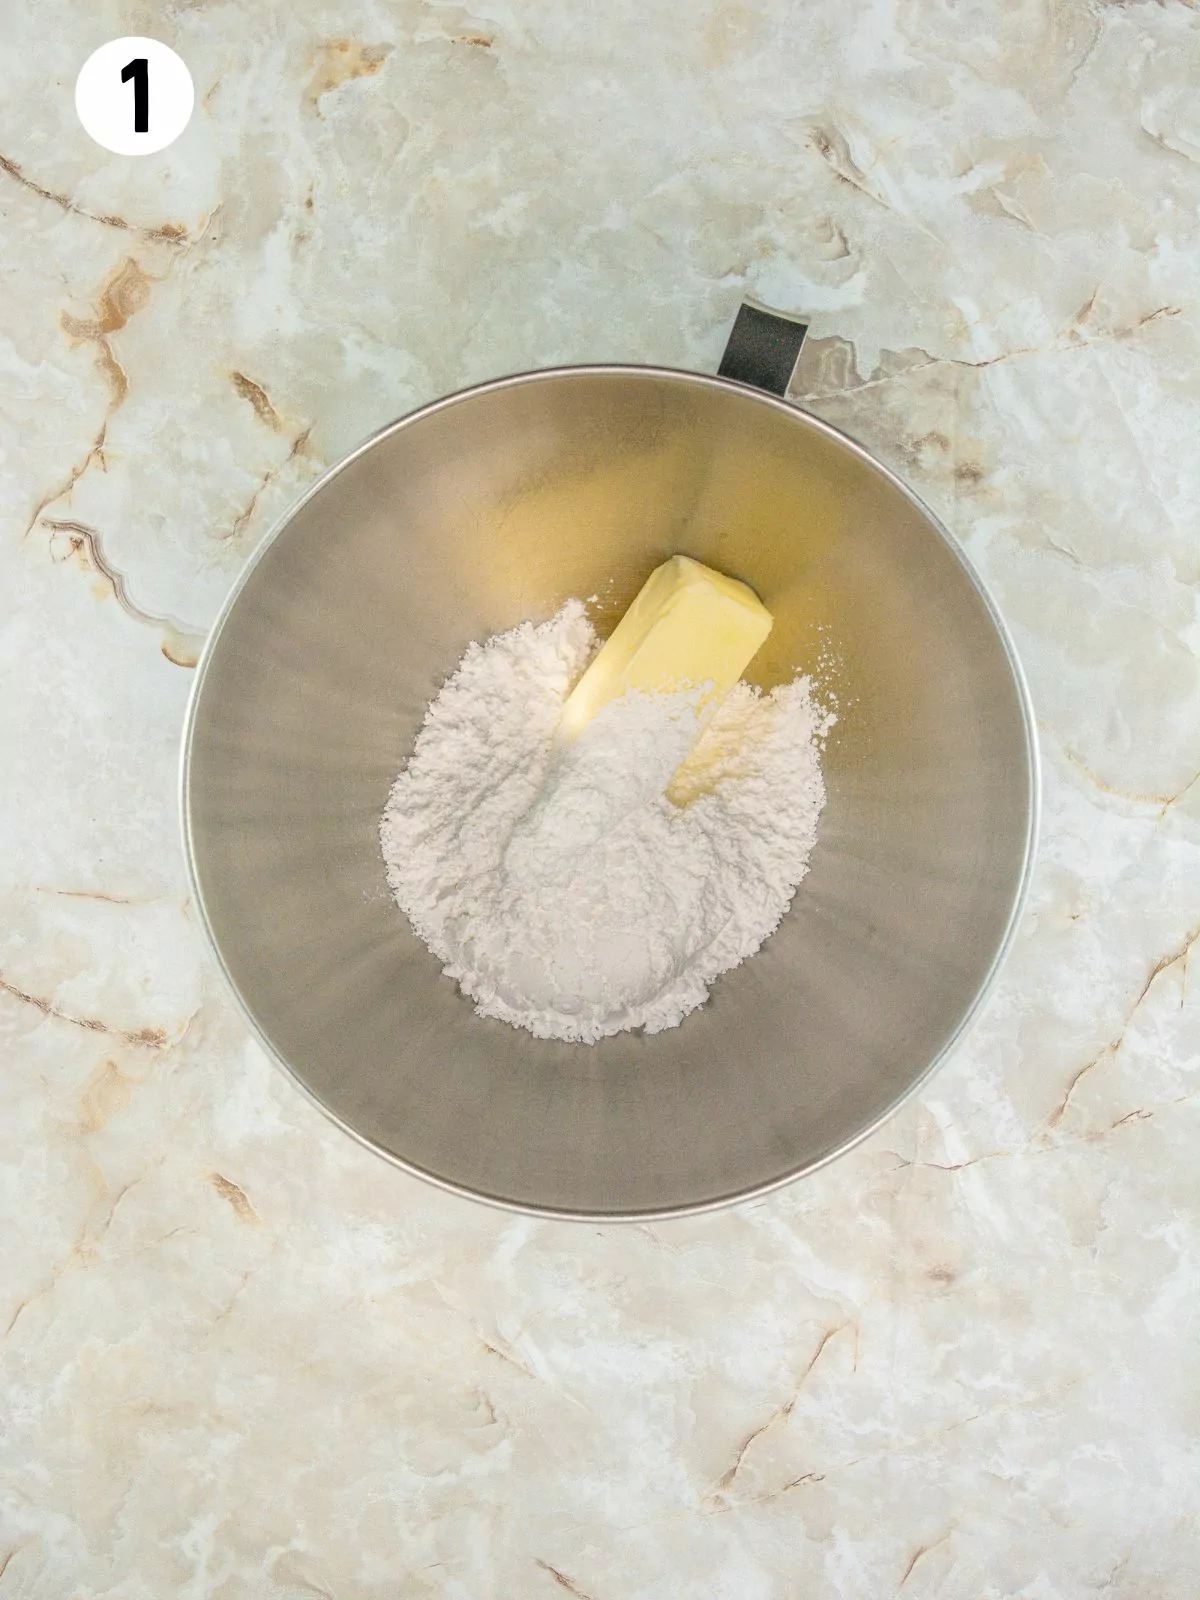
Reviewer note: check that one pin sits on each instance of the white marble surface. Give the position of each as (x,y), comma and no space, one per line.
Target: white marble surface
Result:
(241,1356)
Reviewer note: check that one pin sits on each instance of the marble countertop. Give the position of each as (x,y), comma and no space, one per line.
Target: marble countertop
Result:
(241,1356)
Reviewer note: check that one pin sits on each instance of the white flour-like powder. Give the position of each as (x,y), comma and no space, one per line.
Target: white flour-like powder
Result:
(558,884)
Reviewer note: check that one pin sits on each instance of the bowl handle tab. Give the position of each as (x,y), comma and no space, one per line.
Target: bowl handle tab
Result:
(763,348)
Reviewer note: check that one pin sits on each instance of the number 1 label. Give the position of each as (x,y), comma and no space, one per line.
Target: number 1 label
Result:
(139,70)
(153,115)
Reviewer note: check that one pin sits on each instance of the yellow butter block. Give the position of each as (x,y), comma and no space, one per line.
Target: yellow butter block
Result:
(689,628)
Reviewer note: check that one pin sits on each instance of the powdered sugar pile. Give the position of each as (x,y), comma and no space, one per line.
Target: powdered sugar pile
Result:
(558,884)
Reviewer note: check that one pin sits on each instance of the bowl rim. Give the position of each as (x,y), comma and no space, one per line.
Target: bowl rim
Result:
(984,989)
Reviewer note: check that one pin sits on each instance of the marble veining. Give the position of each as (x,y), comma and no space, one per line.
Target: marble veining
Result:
(240,1356)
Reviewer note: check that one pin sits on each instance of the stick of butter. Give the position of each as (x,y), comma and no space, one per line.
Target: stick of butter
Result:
(688,628)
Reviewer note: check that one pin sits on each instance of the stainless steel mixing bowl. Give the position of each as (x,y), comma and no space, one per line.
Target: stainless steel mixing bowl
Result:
(496,505)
